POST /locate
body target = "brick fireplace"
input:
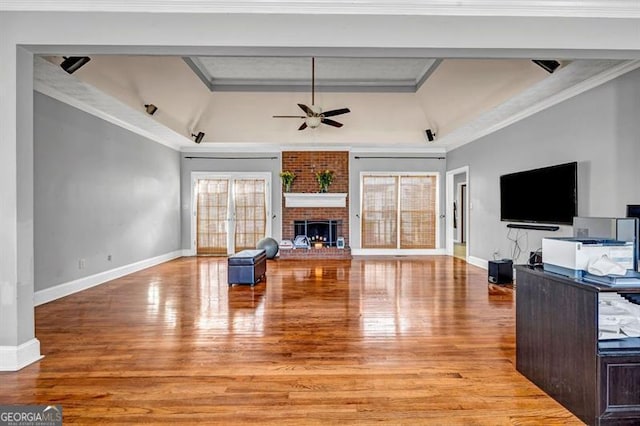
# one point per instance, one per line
(305, 164)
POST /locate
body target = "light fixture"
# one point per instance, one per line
(313, 121)
(548, 66)
(150, 108)
(72, 64)
(198, 137)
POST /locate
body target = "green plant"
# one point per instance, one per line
(287, 178)
(324, 178)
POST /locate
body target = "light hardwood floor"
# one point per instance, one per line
(394, 340)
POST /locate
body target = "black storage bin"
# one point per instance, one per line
(247, 267)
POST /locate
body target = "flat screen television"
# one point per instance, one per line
(633, 210)
(545, 195)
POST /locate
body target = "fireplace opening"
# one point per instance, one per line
(319, 231)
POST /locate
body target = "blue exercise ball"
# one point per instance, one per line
(269, 245)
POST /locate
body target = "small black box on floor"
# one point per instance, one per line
(501, 271)
(247, 267)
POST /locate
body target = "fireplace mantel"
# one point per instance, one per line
(320, 199)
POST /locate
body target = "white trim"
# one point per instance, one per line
(458, 237)
(65, 289)
(323, 199)
(14, 358)
(397, 252)
(476, 261)
(83, 106)
(356, 148)
(553, 8)
(195, 176)
(471, 131)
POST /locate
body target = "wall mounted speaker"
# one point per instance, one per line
(431, 136)
(198, 137)
(548, 66)
(74, 63)
(150, 108)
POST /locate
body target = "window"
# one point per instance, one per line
(230, 211)
(399, 211)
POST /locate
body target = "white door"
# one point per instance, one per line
(230, 212)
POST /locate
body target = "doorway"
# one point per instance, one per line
(457, 213)
(229, 212)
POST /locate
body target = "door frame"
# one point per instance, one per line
(460, 197)
(195, 176)
(450, 198)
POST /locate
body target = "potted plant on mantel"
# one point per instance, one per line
(324, 178)
(287, 179)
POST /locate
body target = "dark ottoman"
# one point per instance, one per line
(247, 267)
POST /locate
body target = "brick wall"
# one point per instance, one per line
(305, 164)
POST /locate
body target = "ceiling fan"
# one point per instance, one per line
(314, 115)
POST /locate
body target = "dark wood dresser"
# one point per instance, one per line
(557, 348)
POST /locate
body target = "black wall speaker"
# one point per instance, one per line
(74, 63)
(549, 66)
(198, 137)
(430, 135)
(501, 271)
(150, 108)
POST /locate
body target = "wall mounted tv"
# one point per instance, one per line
(545, 195)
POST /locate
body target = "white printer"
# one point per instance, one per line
(571, 256)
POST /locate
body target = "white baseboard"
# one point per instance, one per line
(396, 252)
(188, 252)
(14, 358)
(65, 289)
(480, 263)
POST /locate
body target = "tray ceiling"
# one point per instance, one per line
(294, 73)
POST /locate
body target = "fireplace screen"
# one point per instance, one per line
(323, 231)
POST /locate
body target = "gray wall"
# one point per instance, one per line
(231, 162)
(390, 164)
(600, 129)
(99, 190)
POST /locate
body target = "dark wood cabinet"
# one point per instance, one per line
(557, 348)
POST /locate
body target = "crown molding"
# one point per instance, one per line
(476, 129)
(540, 8)
(52, 81)
(266, 148)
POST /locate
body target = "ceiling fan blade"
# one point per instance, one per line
(306, 110)
(289, 116)
(303, 126)
(336, 112)
(331, 122)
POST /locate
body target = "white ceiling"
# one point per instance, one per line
(459, 100)
(462, 69)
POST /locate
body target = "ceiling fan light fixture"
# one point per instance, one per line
(313, 121)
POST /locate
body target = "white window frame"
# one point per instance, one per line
(435, 251)
(196, 176)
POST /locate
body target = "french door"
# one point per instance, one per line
(230, 212)
(399, 211)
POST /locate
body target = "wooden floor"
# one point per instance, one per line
(385, 340)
